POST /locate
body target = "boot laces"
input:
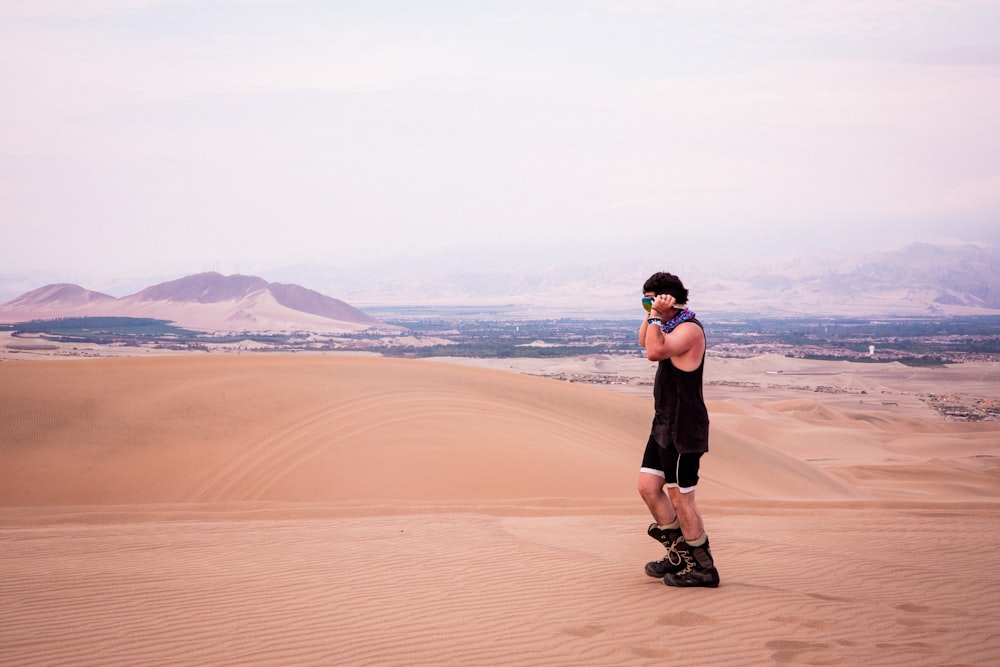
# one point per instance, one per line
(674, 555)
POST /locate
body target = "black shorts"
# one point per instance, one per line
(677, 470)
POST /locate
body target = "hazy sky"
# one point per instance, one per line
(145, 137)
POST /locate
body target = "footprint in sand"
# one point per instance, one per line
(583, 631)
(686, 620)
(652, 653)
(802, 653)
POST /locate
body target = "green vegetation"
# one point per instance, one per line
(912, 341)
(127, 331)
(89, 328)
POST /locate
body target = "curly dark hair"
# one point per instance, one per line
(666, 283)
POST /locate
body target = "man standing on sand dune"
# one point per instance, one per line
(675, 339)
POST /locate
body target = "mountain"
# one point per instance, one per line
(919, 279)
(62, 296)
(205, 301)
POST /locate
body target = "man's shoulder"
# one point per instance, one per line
(692, 335)
(692, 325)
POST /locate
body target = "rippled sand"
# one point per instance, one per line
(294, 509)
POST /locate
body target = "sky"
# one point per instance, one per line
(160, 138)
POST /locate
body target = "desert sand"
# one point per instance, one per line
(342, 510)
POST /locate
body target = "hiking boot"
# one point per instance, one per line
(698, 569)
(672, 562)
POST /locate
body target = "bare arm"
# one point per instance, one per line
(685, 344)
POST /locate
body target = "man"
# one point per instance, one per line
(673, 337)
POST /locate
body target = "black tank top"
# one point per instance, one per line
(681, 417)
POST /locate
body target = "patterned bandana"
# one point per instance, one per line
(677, 319)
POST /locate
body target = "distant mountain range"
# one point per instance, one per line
(917, 280)
(920, 279)
(205, 301)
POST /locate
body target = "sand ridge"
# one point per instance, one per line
(303, 428)
(309, 509)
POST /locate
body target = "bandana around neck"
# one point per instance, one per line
(677, 319)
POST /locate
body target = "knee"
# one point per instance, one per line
(649, 486)
(679, 498)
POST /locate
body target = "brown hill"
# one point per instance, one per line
(58, 297)
(202, 288)
(204, 301)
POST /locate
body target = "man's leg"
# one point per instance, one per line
(697, 567)
(665, 529)
(651, 490)
(687, 512)
(650, 485)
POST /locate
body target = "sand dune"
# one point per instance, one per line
(304, 429)
(295, 509)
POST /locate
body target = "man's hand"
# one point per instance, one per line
(662, 304)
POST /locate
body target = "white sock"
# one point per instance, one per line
(699, 541)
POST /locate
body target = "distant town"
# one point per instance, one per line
(911, 341)
(473, 333)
